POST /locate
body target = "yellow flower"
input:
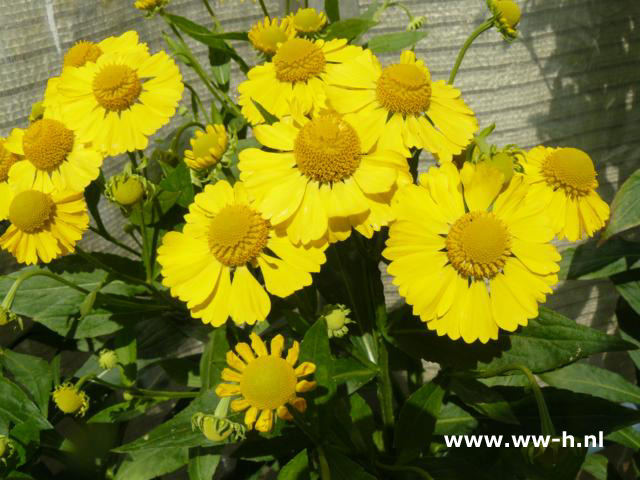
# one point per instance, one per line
(507, 14)
(212, 265)
(265, 381)
(470, 257)
(43, 224)
(54, 156)
(37, 112)
(149, 4)
(70, 400)
(7, 159)
(207, 148)
(297, 71)
(323, 178)
(564, 180)
(308, 20)
(120, 100)
(265, 35)
(403, 107)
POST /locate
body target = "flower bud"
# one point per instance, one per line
(337, 318)
(218, 429)
(70, 400)
(107, 359)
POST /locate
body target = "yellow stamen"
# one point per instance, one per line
(116, 87)
(298, 60)
(570, 169)
(327, 149)
(404, 88)
(237, 235)
(47, 143)
(268, 382)
(478, 244)
(31, 211)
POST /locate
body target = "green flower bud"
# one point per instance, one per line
(107, 359)
(337, 318)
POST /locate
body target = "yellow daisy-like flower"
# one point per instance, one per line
(564, 180)
(507, 16)
(207, 148)
(7, 159)
(212, 265)
(265, 381)
(70, 400)
(403, 107)
(149, 4)
(54, 156)
(308, 20)
(120, 100)
(43, 224)
(297, 71)
(265, 35)
(323, 178)
(470, 256)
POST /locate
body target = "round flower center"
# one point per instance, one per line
(47, 143)
(269, 38)
(404, 88)
(478, 244)
(237, 235)
(297, 60)
(81, 53)
(510, 11)
(68, 400)
(129, 192)
(570, 169)
(268, 382)
(327, 149)
(307, 20)
(116, 87)
(7, 159)
(31, 211)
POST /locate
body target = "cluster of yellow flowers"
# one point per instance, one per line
(109, 98)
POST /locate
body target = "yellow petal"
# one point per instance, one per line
(239, 404)
(250, 417)
(231, 375)
(304, 369)
(234, 361)
(258, 345)
(245, 352)
(265, 421)
(292, 354)
(277, 344)
(305, 386)
(227, 390)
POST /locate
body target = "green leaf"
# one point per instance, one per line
(483, 399)
(269, 118)
(126, 348)
(394, 42)
(417, 420)
(596, 465)
(354, 373)
(454, 420)
(297, 468)
(332, 7)
(592, 380)
(625, 208)
(350, 28)
(315, 348)
(178, 180)
(344, 469)
(149, 464)
(32, 373)
(628, 437)
(16, 407)
(589, 261)
(362, 418)
(202, 465)
(122, 412)
(213, 359)
(629, 289)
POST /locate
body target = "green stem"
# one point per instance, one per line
(143, 392)
(475, 34)
(181, 130)
(405, 468)
(264, 9)
(146, 256)
(11, 294)
(385, 391)
(325, 471)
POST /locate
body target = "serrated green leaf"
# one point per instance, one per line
(202, 465)
(394, 42)
(625, 208)
(350, 28)
(33, 374)
(453, 420)
(596, 465)
(483, 399)
(629, 437)
(16, 407)
(179, 180)
(592, 380)
(417, 420)
(150, 464)
(590, 261)
(297, 468)
(315, 348)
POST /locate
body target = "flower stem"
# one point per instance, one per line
(264, 9)
(475, 34)
(143, 392)
(11, 294)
